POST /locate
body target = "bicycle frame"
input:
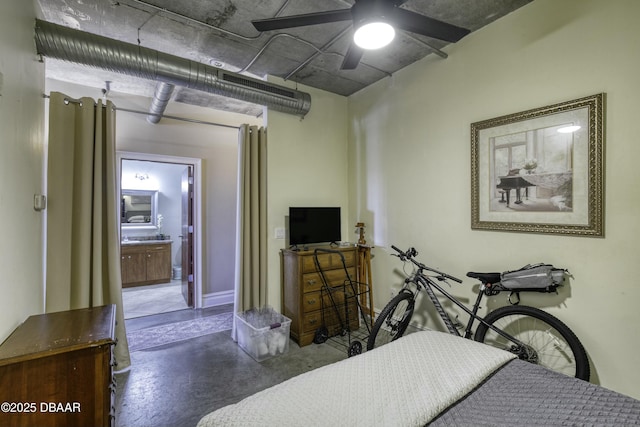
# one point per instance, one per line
(424, 282)
(541, 338)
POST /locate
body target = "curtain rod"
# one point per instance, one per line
(162, 116)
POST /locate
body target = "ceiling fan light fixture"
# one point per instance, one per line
(374, 35)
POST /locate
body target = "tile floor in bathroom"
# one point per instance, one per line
(146, 300)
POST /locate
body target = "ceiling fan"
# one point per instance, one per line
(374, 22)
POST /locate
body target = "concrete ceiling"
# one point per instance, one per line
(220, 33)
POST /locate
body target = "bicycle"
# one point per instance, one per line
(530, 333)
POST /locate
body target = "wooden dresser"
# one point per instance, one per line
(56, 369)
(145, 263)
(303, 297)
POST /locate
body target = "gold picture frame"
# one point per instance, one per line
(541, 170)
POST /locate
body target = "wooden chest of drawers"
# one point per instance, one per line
(303, 296)
(56, 369)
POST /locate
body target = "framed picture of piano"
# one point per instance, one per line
(540, 170)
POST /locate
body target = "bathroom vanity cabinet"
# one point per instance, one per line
(146, 262)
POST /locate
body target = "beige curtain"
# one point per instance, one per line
(251, 242)
(83, 244)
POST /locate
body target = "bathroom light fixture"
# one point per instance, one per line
(142, 176)
(374, 35)
(568, 129)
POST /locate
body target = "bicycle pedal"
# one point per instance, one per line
(457, 324)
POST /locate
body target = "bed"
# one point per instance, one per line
(430, 378)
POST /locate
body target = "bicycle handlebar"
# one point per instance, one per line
(410, 255)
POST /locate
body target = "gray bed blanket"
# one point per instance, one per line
(522, 394)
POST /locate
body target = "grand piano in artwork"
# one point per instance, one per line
(514, 181)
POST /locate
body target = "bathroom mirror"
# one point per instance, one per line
(139, 208)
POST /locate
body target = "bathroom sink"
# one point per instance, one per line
(143, 242)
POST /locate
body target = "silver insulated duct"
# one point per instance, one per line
(57, 41)
(160, 101)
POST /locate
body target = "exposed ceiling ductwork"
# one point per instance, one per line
(160, 100)
(67, 44)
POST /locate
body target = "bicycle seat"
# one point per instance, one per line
(485, 277)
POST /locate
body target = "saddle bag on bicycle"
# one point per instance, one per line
(533, 277)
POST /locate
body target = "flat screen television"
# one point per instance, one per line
(314, 225)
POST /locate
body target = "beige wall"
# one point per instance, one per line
(409, 165)
(218, 149)
(307, 166)
(216, 146)
(21, 163)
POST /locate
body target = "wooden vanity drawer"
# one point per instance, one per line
(158, 248)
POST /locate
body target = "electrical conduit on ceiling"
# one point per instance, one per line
(59, 42)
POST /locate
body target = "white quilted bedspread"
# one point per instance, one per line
(405, 383)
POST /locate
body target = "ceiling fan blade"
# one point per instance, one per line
(420, 24)
(302, 20)
(352, 58)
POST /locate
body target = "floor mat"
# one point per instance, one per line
(155, 336)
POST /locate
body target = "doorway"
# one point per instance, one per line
(159, 233)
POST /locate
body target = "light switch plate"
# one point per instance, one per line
(279, 233)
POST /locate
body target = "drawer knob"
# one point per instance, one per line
(311, 281)
(311, 301)
(313, 321)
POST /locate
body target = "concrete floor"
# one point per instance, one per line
(179, 383)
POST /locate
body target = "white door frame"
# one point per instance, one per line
(197, 207)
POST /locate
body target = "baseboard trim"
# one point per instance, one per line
(217, 298)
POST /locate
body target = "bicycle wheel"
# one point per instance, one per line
(392, 321)
(548, 341)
